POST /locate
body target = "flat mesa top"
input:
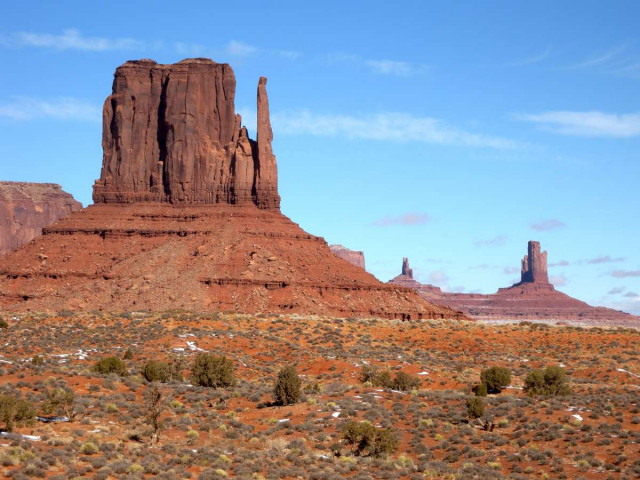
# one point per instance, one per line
(148, 63)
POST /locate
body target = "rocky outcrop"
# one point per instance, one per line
(352, 256)
(534, 265)
(532, 299)
(186, 216)
(25, 208)
(171, 134)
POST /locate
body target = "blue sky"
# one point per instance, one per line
(448, 132)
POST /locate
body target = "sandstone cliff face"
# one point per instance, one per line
(534, 265)
(25, 208)
(171, 134)
(352, 256)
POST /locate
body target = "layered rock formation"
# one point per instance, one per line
(187, 216)
(352, 256)
(25, 208)
(170, 134)
(533, 298)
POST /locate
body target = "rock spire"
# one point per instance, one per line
(405, 268)
(534, 265)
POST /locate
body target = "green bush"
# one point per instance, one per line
(405, 382)
(156, 371)
(481, 390)
(364, 437)
(3, 323)
(59, 401)
(16, 412)
(288, 386)
(110, 365)
(475, 407)
(211, 371)
(550, 381)
(496, 378)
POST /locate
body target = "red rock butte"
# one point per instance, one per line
(25, 208)
(186, 216)
(533, 298)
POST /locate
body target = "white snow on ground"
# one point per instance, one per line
(423, 373)
(33, 438)
(284, 420)
(399, 392)
(6, 361)
(193, 348)
(627, 371)
(577, 417)
(335, 414)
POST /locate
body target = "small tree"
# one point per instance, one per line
(16, 411)
(111, 365)
(405, 382)
(211, 371)
(156, 371)
(364, 437)
(3, 323)
(481, 390)
(550, 381)
(60, 401)
(475, 407)
(287, 388)
(156, 404)
(496, 378)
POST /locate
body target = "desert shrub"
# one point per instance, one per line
(128, 355)
(475, 407)
(110, 365)
(59, 401)
(481, 390)
(495, 378)
(211, 371)
(156, 371)
(37, 361)
(16, 412)
(405, 382)
(287, 388)
(3, 323)
(550, 381)
(364, 437)
(89, 448)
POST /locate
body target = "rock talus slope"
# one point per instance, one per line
(25, 208)
(186, 215)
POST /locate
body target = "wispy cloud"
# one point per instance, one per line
(438, 277)
(492, 242)
(390, 126)
(71, 39)
(616, 290)
(586, 124)
(234, 48)
(625, 273)
(546, 225)
(510, 270)
(561, 263)
(605, 259)
(406, 219)
(378, 66)
(558, 280)
(62, 108)
(536, 58)
(631, 295)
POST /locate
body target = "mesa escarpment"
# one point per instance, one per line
(186, 215)
(25, 208)
(533, 298)
(352, 256)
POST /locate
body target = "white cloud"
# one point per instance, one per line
(389, 126)
(234, 48)
(546, 225)
(72, 39)
(539, 57)
(240, 49)
(62, 108)
(390, 67)
(587, 124)
(417, 218)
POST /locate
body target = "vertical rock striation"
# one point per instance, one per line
(171, 134)
(534, 265)
(406, 271)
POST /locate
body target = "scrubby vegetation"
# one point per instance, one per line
(495, 379)
(212, 371)
(288, 386)
(342, 426)
(111, 365)
(550, 381)
(15, 411)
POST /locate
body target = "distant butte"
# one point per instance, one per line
(25, 208)
(352, 256)
(533, 298)
(186, 216)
